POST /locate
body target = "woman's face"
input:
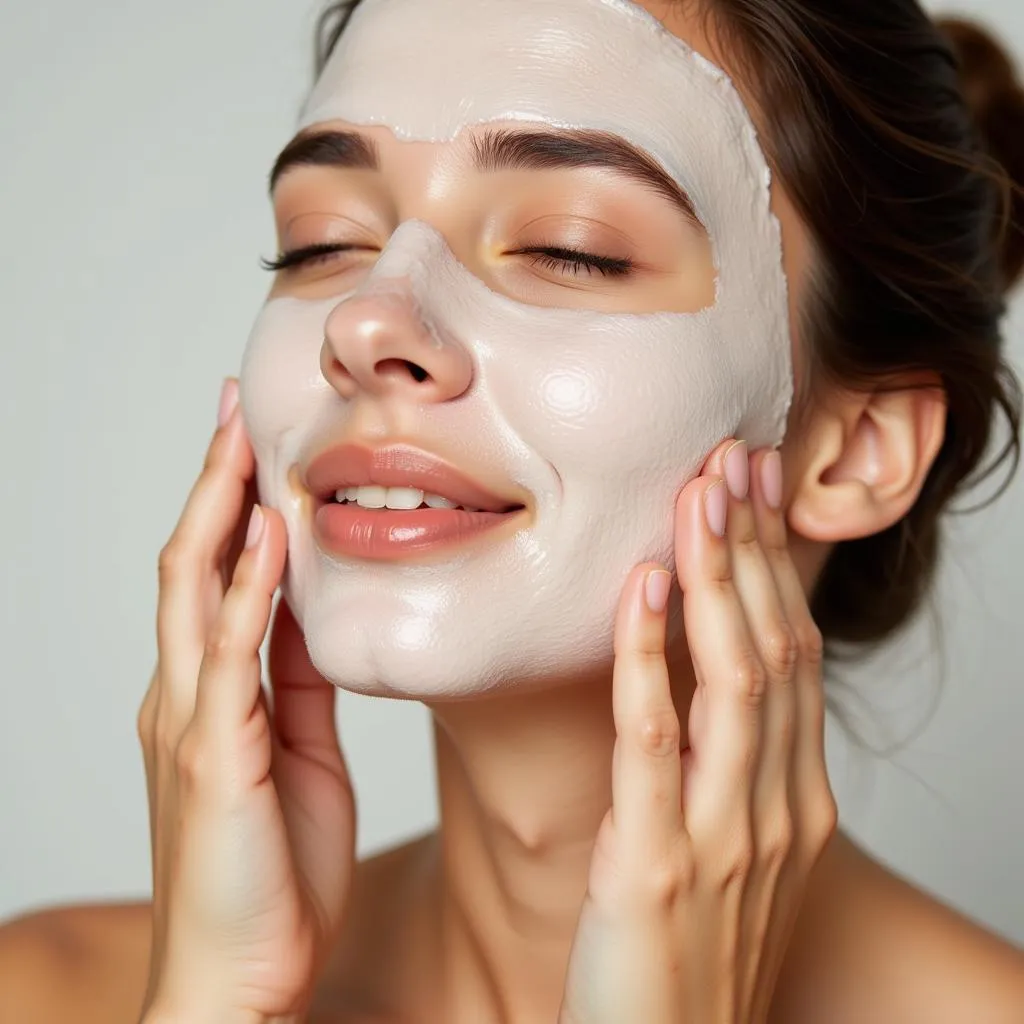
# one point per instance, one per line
(531, 268)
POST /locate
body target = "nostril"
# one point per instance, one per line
(399, 367)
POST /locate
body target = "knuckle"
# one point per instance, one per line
(644, 659)
(750, 679)
(145, 720)
(821, 821)
(171, 560)
(810, 643)
(144, 723)
(747, 544)
(658, 732)
(736, 862)
(780, 650)
(775, 545)
(664, 885)
(191, 759)
(827, 817)
(218, 648)
(165, 742)
(778, 841)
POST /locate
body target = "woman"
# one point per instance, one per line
(716, 887)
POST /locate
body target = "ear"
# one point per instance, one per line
(862, 459)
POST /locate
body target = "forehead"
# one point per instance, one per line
(428, 68)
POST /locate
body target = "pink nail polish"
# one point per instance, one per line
(737, 470)
(228, 401)
(716, 507)
(656, 590)
(771, 479)
(255, 530)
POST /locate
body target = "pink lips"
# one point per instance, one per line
(387, 534)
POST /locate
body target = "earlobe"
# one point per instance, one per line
(865, 459)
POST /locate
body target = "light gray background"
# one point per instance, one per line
(136, 138)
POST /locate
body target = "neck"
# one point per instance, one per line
(524, 781)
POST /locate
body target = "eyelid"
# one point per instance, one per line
(571, 261)
(606, 266)
(312, 227)
(288, 259)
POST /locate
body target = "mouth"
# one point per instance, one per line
(392, 503)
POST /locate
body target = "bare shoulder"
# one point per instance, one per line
(870, 946)
(90, 963)
(82, 963)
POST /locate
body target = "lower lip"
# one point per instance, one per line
(388, 535)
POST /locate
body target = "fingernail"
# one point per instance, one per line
(656, 589)
(771, 479)
(716, 505)
(255, 530)
(737, 470)
(228, 401)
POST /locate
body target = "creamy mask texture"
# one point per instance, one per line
(601, 417)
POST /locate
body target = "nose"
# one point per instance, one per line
(379, 342)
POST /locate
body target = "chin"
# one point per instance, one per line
(381, 645)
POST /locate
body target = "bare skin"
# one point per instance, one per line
(868, 947)
(484, 910)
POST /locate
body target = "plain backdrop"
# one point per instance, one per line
(135, 140)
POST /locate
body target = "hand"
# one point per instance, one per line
(699, 867)
(252, 816)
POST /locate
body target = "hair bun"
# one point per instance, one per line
(995, 96)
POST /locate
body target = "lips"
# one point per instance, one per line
(347, 530)
(351, 465)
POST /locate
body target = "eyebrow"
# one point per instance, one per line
(497, 150)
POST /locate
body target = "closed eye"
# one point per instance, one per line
(307, 254)
(570, 261)
(575, 261)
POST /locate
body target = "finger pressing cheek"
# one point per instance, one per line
(646, 783)
(729, 670)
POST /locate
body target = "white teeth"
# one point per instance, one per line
(436, 501)
(399, 498)
(372, 496)
(404, 497)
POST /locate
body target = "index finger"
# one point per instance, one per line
(646, 767)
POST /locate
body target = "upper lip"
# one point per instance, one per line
(352, 465)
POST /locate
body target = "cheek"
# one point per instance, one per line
(635, 398)
(281, 369)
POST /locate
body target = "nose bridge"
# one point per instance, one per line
(413, 246)
(387, 336)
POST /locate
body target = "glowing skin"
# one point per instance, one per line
(598, 417)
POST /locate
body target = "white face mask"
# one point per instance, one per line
(600, 418)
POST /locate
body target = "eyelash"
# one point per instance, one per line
(554, 257)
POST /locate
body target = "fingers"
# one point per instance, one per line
(755, 522)
(761, 678)
(798, 713)
(646, 779)
(728, 816)
(731, 678)
(229, 682)
(304, 702)
(235, 544)
(189, 569)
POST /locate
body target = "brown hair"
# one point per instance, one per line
(901, 143)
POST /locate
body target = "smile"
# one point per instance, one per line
(392, 503)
